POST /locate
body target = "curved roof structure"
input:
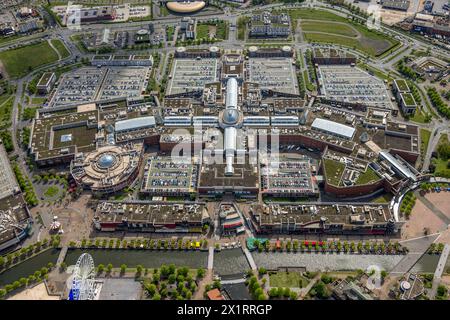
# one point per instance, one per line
(185, 7)
(230, 116)
(106, 160)
(108, 169)
(232, 93)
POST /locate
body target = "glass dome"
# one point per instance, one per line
(106, 161)
(230, 116)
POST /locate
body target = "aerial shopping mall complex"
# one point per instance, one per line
(224, 150)
(233, 124)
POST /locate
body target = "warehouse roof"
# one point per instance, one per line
(333, 128)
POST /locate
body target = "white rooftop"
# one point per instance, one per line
(333, 128)
(134, 124)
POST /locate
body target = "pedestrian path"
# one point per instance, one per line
(62, 255)
(439, 270)
(210, 258)
(249, 257)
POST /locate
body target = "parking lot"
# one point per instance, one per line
(352, 85)
(277, 74)
(79, 86)
(163, 175)
(192, 74)
(90, 84)
(124, 82)
(287, 175)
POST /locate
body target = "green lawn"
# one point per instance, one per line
(418, 116)
(376, 72)
(308, 84)
(38, 100)
(51, 192)
(18, 62)
(163, 10)
(329, 27)
(424, 139)
(370, 42)
(314, 14)
(333, 171)
(202, 31)
(242, 27)
(288, 279)
(3, 98)
(29, 113)
(368, 177)
(59, 45)
(170, 32)
(5, 112)
(441, 168)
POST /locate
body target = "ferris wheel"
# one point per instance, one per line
(83, 278)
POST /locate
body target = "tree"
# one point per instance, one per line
(2, 293)
(151, 289)
(109, 267)
(293, 295)
(200, 273)
(321, 290)
(100, 268)
(262, 271)
(156, 277)
(273, 293)
(172, 278)
(123, 268)
(326, 278)
(139, 269)
(23, 281)
(157, 297)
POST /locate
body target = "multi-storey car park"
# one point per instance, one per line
(90, 84)
(349, 85)
(167, 176)
(225, 124)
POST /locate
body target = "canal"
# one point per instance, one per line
(428, 264)
(28, 267)
(230, 263)
(146, 258)
(328, 261)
